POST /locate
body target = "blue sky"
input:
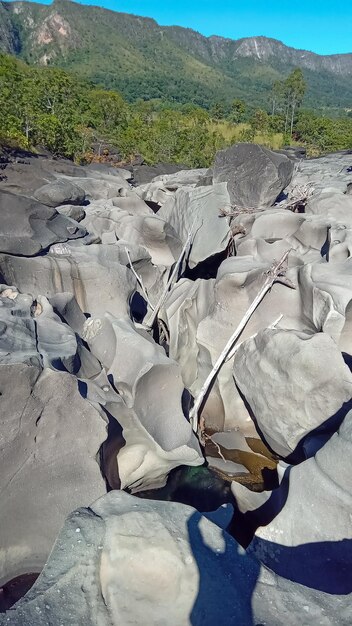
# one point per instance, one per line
(323, 26)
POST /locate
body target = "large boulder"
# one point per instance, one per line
(196, 211)
(60, 192)
(125, 560)
(255, 176)
(50, 438)
(302, 530)
(295, 383)
(28, 227)
(156, 436)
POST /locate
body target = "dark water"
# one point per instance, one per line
(15, 589)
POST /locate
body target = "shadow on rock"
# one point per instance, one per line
(237, 571)
(303, 564)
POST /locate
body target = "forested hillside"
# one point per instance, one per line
(142, 59)
(51, 108)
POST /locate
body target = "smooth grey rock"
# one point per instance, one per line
(182, 178)
(201, 317)
(197, 210)
(330, 172)
(56, 341)
(32, 333)
(131, 561)
(70, 210)
(138, 228)
(132, 204)
(332, 204)
(50, 437)
(255, 176)
(157, 435)
(92, 273)
(28, 227)
(100, 187)
(267, 235)
(60, 192)
(154, 192)
(294, 383)
(302, 529)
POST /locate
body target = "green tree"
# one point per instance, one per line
(108, 110)
(218, 111)
(260, 121)
(277, 96)
(238, 111)
(295, 88)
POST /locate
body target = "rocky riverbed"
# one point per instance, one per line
(119, 291)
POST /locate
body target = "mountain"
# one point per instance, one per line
(142, 59)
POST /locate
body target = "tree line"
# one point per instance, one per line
(52, 108)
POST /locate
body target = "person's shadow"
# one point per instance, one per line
(227, 577)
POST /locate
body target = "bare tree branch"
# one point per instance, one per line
(277, 270)
(139, 279)
(149, 322)
(300, 195)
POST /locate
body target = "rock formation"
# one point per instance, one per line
(116, 303)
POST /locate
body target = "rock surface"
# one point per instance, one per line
(254, 175)
(28, 227)
(49, 441)
(287, 522)
(110, 326)
(292, 391)
(161, 562)
(60, 192)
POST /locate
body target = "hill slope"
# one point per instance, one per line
(143, 59)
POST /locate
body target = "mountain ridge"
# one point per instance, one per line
(143, 59)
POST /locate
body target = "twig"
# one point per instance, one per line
(139, 279)
(300, 196)
(239, 211)
(149, 322)
(205, 437)
(164, 330)
(278, 270)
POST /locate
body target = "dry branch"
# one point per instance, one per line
(300, 195)
(139, 279)
(276, 273)
(149, 322)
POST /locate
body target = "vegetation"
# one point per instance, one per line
(50, 107)
(141, 59)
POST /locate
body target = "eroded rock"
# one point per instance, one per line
(255, 176)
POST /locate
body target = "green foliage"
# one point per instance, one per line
(260, 121)
(247, 135)
(238, 111)
(287, 96)
(322, 134)
(142, 59)
(50, 107)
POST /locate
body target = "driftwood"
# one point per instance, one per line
(150, 319)
(299, 198)
(275, 274)
(139, 279)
